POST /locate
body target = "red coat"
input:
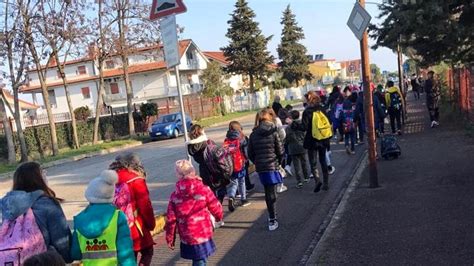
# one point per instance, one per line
(146, 217)
(190, 207)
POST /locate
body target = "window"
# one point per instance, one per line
(86, 93)
(110, 64)
(189, 55)
(114, 88)
(81, 70)
(52, 99)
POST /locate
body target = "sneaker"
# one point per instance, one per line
(433, 123)
(231, 204)
(244, 203)
(306, 180)
(318, 187)
(219, 224)
(281, 188)
(348, 150)
(250, 188)
(353, 152)
(272, 224)
(436, 123)
(299, 185)
(331, 169)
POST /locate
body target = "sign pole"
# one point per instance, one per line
(368, 106)
(181, 104)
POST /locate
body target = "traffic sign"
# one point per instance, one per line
(359, 20)
(169, 35)
(163, 8)
(352, 68)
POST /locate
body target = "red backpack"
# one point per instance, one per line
(233, 147)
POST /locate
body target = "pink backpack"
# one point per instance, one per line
(20, 239)
(123, 200)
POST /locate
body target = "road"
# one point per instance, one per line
(70, 180)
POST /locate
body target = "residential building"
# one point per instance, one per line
(325, 70)
(150, 79)
(351, 69)
(26, 108)
(235, 81)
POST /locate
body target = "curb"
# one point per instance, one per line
(335, 213)
(5, 176)
(224, 123)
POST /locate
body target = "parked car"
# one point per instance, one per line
(168, 126)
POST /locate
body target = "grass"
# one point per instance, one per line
(68, 153)
(454, 118)
(207, 122)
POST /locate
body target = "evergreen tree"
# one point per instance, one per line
(294, 62)
(213, 78)
(247, 49)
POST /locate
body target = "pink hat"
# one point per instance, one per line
(184, 168)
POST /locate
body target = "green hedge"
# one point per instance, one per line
(38, 139)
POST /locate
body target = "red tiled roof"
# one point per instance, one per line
(217, 56)
(23, 104)
(133, 69)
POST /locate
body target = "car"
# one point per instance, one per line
(168, 126)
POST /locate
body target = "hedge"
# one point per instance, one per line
(38, 138)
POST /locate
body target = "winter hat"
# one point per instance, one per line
(184, 168)
(101, 189)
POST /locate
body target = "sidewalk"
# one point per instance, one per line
(423, 212)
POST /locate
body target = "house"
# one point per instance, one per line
(150, 79)
(27, 109)
(325, 69)
(235, 81)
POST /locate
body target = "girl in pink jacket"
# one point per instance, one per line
(189, 210)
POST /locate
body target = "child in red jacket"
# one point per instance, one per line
(192, 204)
(137, 206)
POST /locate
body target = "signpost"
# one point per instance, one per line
(358, 22)
(166, 10)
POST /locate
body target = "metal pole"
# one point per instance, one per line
(181, 106)
(369, 110)
(401, 81)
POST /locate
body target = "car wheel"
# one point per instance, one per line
(175, 133)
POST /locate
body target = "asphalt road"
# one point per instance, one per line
(70, 180)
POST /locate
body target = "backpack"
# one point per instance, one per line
(233, 147)
(390, 148)
(348, 123)
(395, 100)
(338, 111)
(123, 200)
(219, 162)
(321, 127)
(20, 239)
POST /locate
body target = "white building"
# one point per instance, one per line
(150, 79)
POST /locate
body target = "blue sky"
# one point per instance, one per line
(323, 21)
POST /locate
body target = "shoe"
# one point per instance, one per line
(325, 187)
(231, 204)
(281, 188)
(399, 132)
(318, 187)
(348, 150)
(331, 169)
(306, 180)
(433, 123)
(272, 224)
(250, 188)
(353, 152)
(244, 203)
(436, 123)
(299, 185)
(219, 224)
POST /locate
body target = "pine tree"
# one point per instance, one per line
(247, 50)
(294, 62)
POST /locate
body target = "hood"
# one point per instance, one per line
(232, 134)
(125, 175)
(17, 202)
(392, 89)
(186, 187)
(202, 138)
(265, 129)
(196, 145)
(92, 221)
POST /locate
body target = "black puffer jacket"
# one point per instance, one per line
(196, 149)
(311, 143)
(265, 148)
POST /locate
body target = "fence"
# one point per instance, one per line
(461, 89)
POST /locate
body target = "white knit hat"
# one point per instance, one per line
(101, 189)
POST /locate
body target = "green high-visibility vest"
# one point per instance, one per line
(102, 250)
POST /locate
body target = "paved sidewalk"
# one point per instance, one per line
(423, 213)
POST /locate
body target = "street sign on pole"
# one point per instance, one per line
(163, 8)
(359, 20)
(169, 36)
(352, 68)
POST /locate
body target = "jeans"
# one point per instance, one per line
(416, 92)
(146, 256)
(395, 115)
(201, 262)
(270, 200)
(350, 136)
(434, 114)
(313, 155)
(300, 167)
(237, 183)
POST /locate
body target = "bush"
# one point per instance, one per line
(149, 109)
(82, 113)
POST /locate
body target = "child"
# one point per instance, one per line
(282, 133)
(132, 191)
(101, 233)
(295, 140)
(348, 108)
(188, 212)
(236, 143)
(266, 152)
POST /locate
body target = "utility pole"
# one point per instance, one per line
(401, 80)
(369, 110)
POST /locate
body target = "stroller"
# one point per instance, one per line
(390, 148)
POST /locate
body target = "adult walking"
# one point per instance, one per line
(395, 104)
(415, 86)
(433, 96)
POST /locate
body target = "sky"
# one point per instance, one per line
(324, 23)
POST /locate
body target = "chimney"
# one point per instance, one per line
(92, 50)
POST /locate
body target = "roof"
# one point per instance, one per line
(217, 56)
(133, 69)
(23, 104)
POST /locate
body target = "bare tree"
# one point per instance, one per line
(8, 132)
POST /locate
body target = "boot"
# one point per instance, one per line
(325, 181)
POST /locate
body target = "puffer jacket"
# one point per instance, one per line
(311, 143)
(196, 149)
(295, 138)
(189, 209)
(265, 148)
(146, 216)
